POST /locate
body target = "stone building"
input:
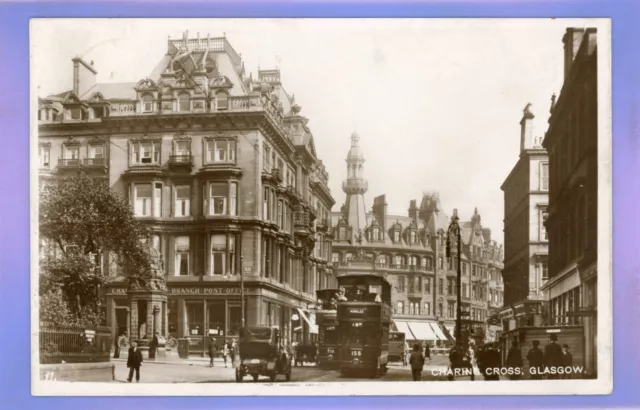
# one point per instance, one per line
(572, 143)
(222, 167)
(410, 251)
(526, 197)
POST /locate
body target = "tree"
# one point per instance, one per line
(83, 218)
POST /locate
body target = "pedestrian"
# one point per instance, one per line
(417, 362)
(233, 351)
(553, 358)
(406, 353)
(134, 361)
(514, 361)
(153, 347)
(212, 350)
(535, 357)
(491, 363)
(226, 348)
(427, 351)
(567, 360)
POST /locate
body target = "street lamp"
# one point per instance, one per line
(454, 231)
(242, 290)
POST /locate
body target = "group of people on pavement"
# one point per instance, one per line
(229, 351)
(542, 363)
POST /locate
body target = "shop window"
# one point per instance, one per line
(235, 320)
(216, 317)
(172, 316)
(195, 318)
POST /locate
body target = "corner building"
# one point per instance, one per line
(572, 144)
(222, 168)
(410, 251)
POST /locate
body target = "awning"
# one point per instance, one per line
(452, 330)
(422, 331)
(404, 328)
(438, 331)
(313, 328)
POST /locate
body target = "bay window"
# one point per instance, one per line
(221, 150)
(266, 197)
(182, 256)
(182, 206)
(147, 199)
(223, 258)
(233, 198)
(145, 152)
(218, 198)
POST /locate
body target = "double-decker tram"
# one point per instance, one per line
(364, 315)
(327, 321)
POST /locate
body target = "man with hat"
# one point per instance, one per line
(553, 358)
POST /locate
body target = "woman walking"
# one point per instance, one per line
(417, 362)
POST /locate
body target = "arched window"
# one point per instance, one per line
(184, 104)
(147, 103)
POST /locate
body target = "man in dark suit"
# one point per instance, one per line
(553, 358)
(567, 360)
(536, 361)
(134, 361)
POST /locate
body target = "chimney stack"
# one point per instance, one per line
(413, 210)
(572, 39)
(84, 76)
(526, 129)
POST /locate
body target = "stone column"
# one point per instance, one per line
(156, 320)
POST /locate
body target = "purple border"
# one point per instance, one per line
(14, 189)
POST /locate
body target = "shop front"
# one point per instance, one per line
(199, 311)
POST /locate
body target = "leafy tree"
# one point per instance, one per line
(82, 217)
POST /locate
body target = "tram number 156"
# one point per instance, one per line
(356, 353)
(356, 324)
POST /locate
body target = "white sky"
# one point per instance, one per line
(437, 103)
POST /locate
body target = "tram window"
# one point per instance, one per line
(330, 335)
(360, 335)
(395, 337)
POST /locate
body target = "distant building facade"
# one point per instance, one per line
(222, 168)
(526, 198)
(410, 251)
(572, 144)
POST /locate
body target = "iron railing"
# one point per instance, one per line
(73, 344)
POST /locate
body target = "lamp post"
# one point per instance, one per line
(454, 231)
(242, 290)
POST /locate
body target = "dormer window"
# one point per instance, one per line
(396, 237)
(147, 103)
(412, 237)
(375, 234)
(184, 102)
(222, 101)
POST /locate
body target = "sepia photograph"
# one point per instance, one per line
(321, 206)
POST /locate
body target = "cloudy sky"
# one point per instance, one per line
(437, 103)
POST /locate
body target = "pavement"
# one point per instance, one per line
(172, 369)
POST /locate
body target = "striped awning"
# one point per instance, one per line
(404, 328)
(422, 331)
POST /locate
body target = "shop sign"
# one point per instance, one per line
(211, 291)
(118, 291)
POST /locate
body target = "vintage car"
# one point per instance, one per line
(306, 354)
(262, 354)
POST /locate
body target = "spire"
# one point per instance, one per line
(355, 187)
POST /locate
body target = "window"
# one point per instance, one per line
(183, 148)
(146, 152)
(44, 156)
(450, 284)
(183, 200)
(545, 271)
(147, 103)
(474, 271)
(440, 263)
(397, 261)
(147, 202)
(218, 255)
(375, 234)
(464, 269)
(335, 258)
(182, 255)
(412, 237)
(222, 100)
(71, 152)
(427, 285)
(221, 150)
(440, 286)
(266, 197)
(414, 308)
(266, 155)
(382, 260)
(96, 151)
(218, 198)
(464, 291)
(400, 283)
(195, 318)
(451, 309)
(440, 311)
(427, 308)
(280, 219)
(543, 230)
(396, 237)
(233, 198)
(184, 104)
(400, 308)
(544, 176)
